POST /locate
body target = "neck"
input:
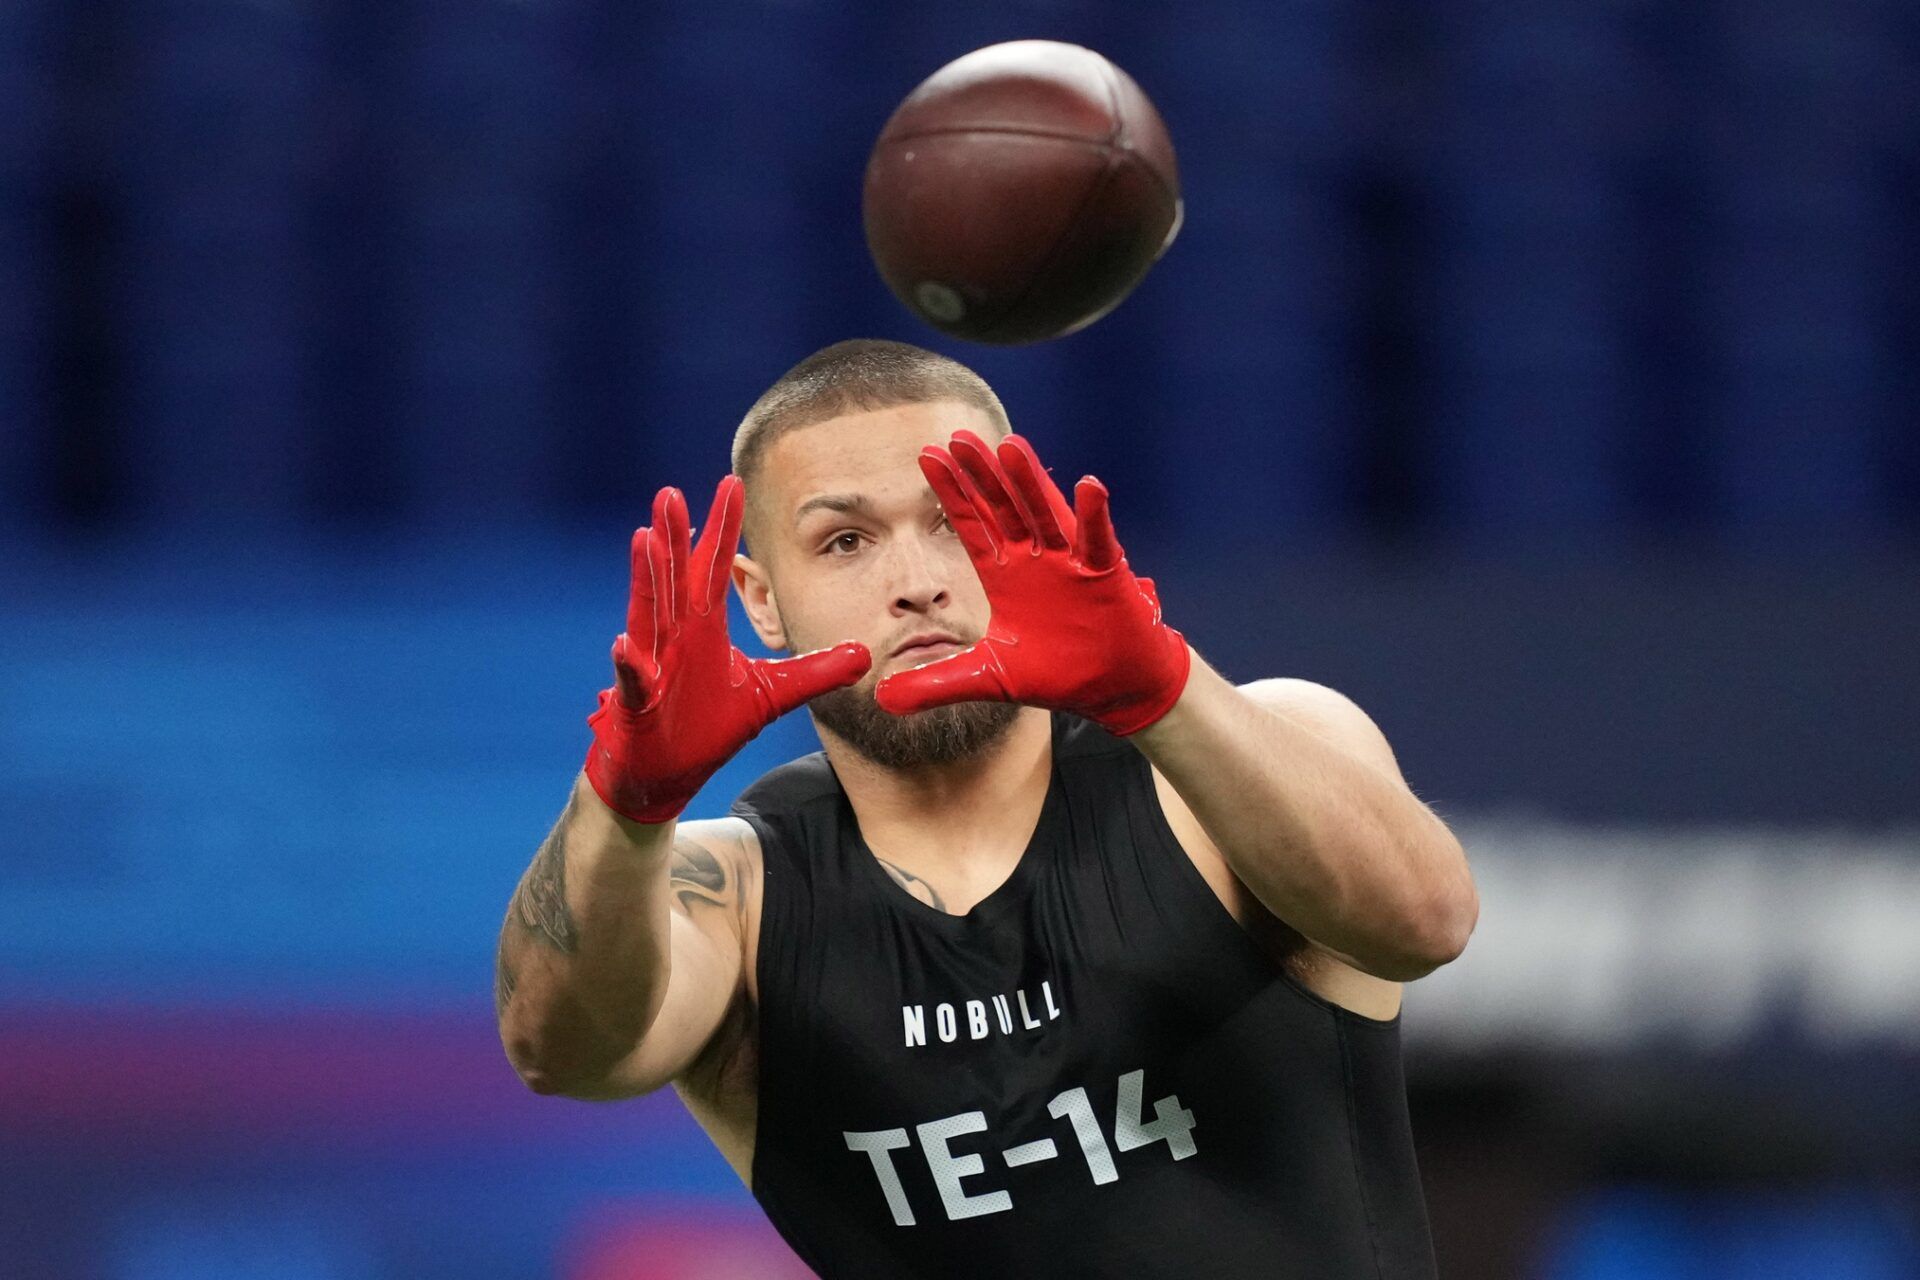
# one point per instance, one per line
(947, 812)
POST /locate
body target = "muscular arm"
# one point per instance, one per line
(1301, 794)
(620, 952)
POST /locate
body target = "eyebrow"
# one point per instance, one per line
(854, 503)
(857, 503)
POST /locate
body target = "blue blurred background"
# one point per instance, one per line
(1543, 375)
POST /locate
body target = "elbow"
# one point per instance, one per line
(543, 1072)
(523, 1058)
(1452, 925)
(554, 1084)
(1436, 931)
(1428, 933)
(541, 1083)
(592, 1077)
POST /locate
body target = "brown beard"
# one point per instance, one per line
(940, 735)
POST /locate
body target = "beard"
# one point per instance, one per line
(939, 735)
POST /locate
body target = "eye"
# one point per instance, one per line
(842, 544)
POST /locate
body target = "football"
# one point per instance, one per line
(1021, 192)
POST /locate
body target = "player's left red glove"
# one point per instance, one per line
(1072, 628)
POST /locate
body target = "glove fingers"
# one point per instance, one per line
(713, 554)
(671, 514)
(962, 505)
(972, 675)
(1099, 550)
(640, 588)
(1045, 506)
(660, 575)
(628, 681)
(983, 469)
(792, 681)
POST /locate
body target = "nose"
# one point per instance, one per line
(918, 578)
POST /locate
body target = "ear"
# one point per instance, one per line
(756, 593)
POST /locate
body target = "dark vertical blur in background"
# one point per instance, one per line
(1543, 375)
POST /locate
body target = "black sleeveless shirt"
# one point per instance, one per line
(1095, 1072)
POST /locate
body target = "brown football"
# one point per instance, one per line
(1021, 192)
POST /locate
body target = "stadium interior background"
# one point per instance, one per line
(1543, 375)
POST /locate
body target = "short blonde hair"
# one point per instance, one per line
(859, 375)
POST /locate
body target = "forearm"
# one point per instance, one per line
(583, 964)
(1333, 845)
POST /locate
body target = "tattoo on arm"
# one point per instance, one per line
(541, 902)
(914, 885)
(697, 876)
(504, 981)
(539, 906)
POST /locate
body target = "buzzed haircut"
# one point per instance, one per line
(860, 375)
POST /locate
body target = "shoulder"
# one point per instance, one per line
(787, 787)
(730, 840)
(788, 812)
(714, 872)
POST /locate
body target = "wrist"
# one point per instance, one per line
(1175, 668)
(643, 832)
(631, 802)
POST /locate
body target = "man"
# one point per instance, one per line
(1065, 958)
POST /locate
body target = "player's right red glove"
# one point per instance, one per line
(684, 699)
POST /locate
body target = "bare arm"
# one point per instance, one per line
(1300, 793)
(621, 951)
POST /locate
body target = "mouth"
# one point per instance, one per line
(925, 648)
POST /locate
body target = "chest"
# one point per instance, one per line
(955, 890)
(903, 1009)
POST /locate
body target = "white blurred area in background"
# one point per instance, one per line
(1696, 939)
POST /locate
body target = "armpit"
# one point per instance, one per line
(727, 1064)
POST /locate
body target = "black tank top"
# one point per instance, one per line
(1095, 1072)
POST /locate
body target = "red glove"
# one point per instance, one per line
(1072, 628)
(684, 699)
